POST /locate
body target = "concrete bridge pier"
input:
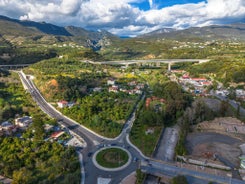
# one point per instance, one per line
(139, 64)
(169, 67)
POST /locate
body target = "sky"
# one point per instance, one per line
(127, 17)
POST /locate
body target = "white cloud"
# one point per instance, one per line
(120, 17)
(225, 8)
(70, 6)
(151, 3)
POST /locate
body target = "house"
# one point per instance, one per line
(48, 127)
(132, 83)
(177, 71)
(137, 91)
(114, 89)
(56, 135)
(140, 86)
(111, 81)
(70, 104)
(24, 121)
(222, 92)
(162, 100)
(124, 90)
(154, 98)
(199, 79)
(97, 89)
(149, 131)
(207, 83)
(131, 92)
(62, 104)
(185, 76)
(6, 126)
(147, 102)
(240, 92)
(242, 163)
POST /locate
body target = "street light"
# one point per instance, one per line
(230, 177)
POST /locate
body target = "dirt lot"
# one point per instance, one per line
(206, 144)
(209, 138)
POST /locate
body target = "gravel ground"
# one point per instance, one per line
(166, 146)
(225, 146)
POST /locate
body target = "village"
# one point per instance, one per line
(53, 133)
(202, 86)
(131, 88)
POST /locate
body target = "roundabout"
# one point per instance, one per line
(112, 158)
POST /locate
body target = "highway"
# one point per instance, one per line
(128, 62)
(233, 103)
(160, 168)
(95, 142)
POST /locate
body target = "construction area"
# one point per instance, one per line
(217, 143)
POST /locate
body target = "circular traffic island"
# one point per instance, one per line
(112, 158)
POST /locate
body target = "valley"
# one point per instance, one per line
(147, 95)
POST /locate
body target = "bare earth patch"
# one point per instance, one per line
(220, 137)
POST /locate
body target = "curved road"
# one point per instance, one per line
(96, 142)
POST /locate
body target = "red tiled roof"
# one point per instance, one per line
(63, 102)
(199, 79)
(56, 134)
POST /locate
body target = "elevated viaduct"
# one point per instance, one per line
(157, 62)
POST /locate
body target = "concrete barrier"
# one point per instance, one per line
(203, 163)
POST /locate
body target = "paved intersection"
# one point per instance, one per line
(95, 142)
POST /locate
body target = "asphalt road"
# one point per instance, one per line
(125, 62)
(158, 168)
(233, 103)
(96, 142)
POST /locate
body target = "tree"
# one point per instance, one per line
(22, 176)
(180, 179)
(38, 129)
(140, 176)
(238, 111)
(224, 108)
(239, 76)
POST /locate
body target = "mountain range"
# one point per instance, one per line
(213, 32)
(13, 30)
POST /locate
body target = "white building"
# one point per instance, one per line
(222, 92)
(6, 126)
(240, 92)
(62, 104)
(111, 81)
(24, 121)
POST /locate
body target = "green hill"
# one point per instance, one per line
(232, 32)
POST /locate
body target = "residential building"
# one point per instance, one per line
(6, 125)
(23, 121)
(56, 135)
(97, 89)
(62, 104)
(114, 89)
(7, 128)
(111, 81)
(48, 127)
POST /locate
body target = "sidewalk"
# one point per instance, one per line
(5, 180)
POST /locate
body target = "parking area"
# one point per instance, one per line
(75, 142)
(166, 146)
(210, 146)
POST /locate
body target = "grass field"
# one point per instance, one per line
(112, 158)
